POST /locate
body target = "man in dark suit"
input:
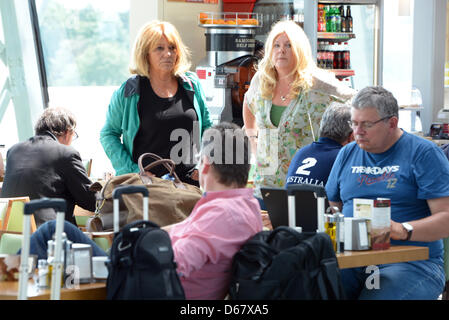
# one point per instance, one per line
(47, 166)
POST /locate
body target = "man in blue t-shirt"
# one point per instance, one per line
(387, 162)
(313, 163)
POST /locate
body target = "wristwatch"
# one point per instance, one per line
(409, 230)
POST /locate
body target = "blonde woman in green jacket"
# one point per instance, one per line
(160, 109)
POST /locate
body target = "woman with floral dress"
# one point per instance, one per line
(285, 102)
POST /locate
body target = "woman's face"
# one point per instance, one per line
(163, 57)
(282, 55)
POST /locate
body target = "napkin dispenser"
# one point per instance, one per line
(82, 259)
(356, 234)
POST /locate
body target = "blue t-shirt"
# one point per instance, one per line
(313, 163)
(410, 172)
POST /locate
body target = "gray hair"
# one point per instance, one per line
(379, 98)
(56, 120)
(334, 123)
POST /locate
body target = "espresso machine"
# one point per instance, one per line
(226, 71)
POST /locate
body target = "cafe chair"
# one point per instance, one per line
(12, 224)
(103, 240)
(87, 165)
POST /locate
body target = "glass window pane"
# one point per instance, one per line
(398, 59)
(8, 129)
(362, 47)
(86, 52)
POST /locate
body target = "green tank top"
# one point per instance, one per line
(276, 113)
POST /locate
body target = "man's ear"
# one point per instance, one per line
(393, 121)
(349, 139)
(63, 139)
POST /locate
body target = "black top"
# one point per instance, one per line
(42, 167)
(159, 118)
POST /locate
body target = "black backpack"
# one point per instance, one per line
(142, 265)
(286, 264)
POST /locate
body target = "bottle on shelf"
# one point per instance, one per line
(321, 18)
(333, 24)
(346, 57)
(337, 19)
(348, 19)
(343, 19)
(327, 15)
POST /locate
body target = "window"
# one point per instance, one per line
(86, 52)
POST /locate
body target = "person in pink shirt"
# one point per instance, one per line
(223, 219)
(220, 223)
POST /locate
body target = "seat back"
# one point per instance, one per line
(10, 243)
(13, 216)
(87, 165)
(11, 227)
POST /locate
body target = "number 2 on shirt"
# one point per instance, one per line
(308, 163)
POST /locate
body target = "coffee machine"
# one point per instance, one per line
(226, 71)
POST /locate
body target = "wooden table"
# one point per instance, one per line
(89, 291)
(352, 259)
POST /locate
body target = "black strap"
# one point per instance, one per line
(330, 273)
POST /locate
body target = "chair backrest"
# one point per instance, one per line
(12, 220)
(88, 166)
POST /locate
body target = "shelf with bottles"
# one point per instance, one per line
(335, 36)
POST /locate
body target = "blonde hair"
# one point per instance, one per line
(148, 38)
(304, 64)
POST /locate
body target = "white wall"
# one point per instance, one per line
(181, 14)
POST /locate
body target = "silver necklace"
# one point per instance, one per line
(283, 98)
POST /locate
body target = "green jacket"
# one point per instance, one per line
(122, 120)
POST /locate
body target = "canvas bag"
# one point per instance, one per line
(169, 201)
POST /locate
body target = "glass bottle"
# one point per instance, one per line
(42, 266)
(330, 227)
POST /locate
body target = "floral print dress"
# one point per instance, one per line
(298, 126)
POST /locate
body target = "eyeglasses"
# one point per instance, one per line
(75, 135)
(365, 125)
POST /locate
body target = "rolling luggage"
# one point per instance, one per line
(141, 264)
(60, 207)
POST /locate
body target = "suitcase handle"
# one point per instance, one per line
(117, 192)
(319, 191)
(58, 204)
(128, 230)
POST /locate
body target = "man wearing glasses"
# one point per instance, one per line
(47, 166)
(387, 162)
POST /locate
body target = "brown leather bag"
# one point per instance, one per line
(169, 201)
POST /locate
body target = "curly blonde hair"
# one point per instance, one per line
(148, 38)
(304, 64)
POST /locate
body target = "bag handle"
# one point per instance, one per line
(289, 230)
(169, 167)
(128, 230)
(167, 163)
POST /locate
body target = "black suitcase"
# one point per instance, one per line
(141, 264)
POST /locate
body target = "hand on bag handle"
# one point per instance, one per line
(117, 194)
(60, 207)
